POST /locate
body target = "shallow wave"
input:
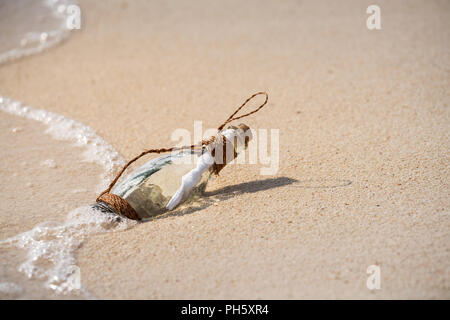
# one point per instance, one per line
(97, 150)
(51, 246)
(42, 25)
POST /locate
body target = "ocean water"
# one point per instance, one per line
(51, 169)
(30, 26)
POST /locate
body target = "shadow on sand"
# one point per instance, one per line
(225, 193)
(208, 198)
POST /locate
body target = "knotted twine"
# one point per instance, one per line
(122, 206)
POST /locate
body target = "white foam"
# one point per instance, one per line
(50, 247)
(96, 150)
(42, 25)
(49, 163)
(9, 290)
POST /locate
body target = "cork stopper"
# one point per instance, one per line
(235, 139)
(247, 133)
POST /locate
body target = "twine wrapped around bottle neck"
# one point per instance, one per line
(124, 208)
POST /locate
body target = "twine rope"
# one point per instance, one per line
(203, 143)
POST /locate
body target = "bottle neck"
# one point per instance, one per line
(234, 141)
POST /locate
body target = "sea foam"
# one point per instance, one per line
(96, 149)
(31, 26)
(50, 246)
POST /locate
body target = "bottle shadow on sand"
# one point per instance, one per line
(225, 193)
(210, 197)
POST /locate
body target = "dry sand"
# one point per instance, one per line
(352, 105)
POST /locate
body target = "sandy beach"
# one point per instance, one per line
(363, 118)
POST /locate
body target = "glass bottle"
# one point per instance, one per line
(163, 183)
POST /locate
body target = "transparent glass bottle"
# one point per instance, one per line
(163, 183)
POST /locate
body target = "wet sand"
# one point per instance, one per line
(364, 144)
(41, 182)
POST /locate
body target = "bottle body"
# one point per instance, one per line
(163, 183)
(149, 188)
